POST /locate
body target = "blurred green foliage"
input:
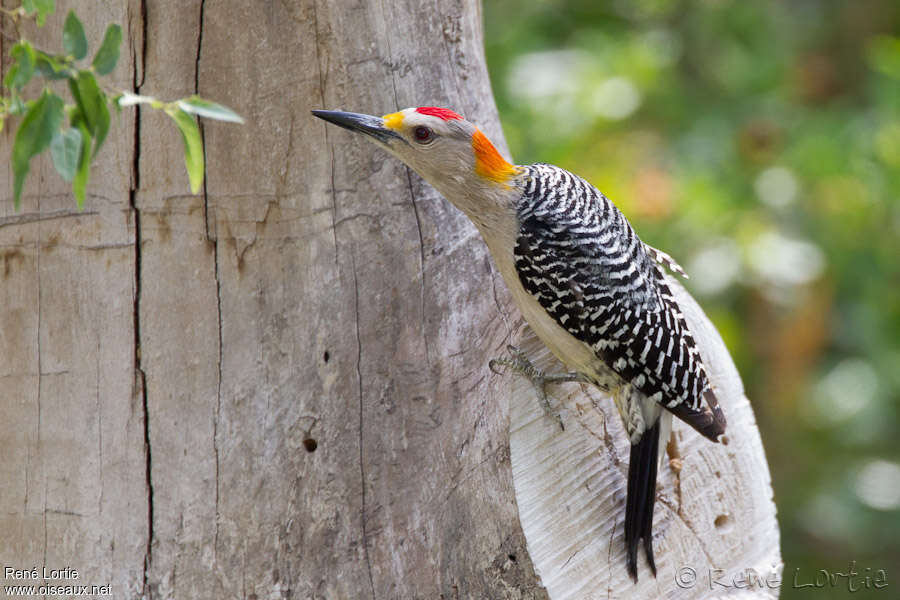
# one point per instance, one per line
(759, 144)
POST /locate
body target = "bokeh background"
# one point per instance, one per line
(759, 144)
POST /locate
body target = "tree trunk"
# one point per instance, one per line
(277, 387)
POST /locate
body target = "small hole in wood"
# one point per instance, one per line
(724, 440)
(512, 557)
(721, 521)
(310, 444)
(326, 357)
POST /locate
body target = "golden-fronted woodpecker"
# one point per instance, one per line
(591, 290)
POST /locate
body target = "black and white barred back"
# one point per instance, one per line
(579, 257)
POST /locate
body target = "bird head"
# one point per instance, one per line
(449, 152)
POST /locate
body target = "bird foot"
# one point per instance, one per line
(519, 363)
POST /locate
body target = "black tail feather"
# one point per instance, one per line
(640, 498)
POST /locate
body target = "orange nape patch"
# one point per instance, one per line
(393, 121)
(488, 162)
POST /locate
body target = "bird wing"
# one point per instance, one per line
(614, 297)
(664, 259)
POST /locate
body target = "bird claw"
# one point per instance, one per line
(520, 363)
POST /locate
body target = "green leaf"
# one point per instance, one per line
(52, 67)
(204, 108)
(193, 146)
(22, 69)
(35, 132)
(90, 102)
(108, 55)
(41, 7)
(74, 41)
(79, 183)
(65, 148)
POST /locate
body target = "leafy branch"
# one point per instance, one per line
(43, 118)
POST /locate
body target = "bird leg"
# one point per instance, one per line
(519, 363)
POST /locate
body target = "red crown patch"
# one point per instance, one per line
(441, 113)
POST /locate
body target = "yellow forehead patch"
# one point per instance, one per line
(393, 120)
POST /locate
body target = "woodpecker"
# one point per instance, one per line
(592, 291)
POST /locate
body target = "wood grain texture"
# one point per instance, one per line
(352, 310)
(714, 520)
(71, 430)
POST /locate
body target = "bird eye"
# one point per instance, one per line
(423, 135)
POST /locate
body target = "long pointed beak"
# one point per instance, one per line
(372, 126)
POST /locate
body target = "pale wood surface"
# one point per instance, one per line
(715, 520)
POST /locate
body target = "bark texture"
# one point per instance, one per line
(73, 473)
(278, 387)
